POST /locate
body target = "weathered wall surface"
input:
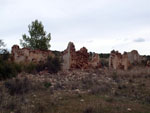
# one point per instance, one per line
(119, 61)
(95, 61)
(67, 56)
(134, 57)
(73, 59)
(79, 59)
(26, 55)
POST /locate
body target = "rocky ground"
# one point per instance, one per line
(77, 91)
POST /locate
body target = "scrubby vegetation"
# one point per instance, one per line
(104, 55)
(104, 62)
(72, 91)
(91, 91)
(52, 65)
(8, 69)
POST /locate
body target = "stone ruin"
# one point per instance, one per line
(134, 57)
(26, 55)
(95, 61)
(79, 59)
(118, 61)
(124, 61)
(73, 59)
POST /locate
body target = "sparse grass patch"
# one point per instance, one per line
(100, 89)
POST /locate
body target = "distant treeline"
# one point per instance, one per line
(104, 55)
(146, 56)
(101, 55)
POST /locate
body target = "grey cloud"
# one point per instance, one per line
(139, 40)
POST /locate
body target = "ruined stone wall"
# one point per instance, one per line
(95, 61)
(26, 55)
(134, 57)
(80, 59)
(67, 56)
(73, 59)
(119, 61)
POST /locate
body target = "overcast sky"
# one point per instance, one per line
(99, 25)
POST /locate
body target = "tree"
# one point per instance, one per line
(4, 54)
(37, 39)
(1, 43)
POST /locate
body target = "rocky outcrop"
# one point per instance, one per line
(73, 59)
(26, 55)
(118, 61)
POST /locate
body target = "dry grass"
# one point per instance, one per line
(98, 91)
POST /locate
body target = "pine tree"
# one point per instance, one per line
(37, 39)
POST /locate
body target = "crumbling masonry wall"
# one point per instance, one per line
(26, 55)
(118, 61)
(79, 59)
(124, 61)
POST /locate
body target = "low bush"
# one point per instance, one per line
(18, 86)
(104, 62)
(47, 84)
(53, 65)
(29, 68)
(7, 70)
(89, 110)
(4, 54)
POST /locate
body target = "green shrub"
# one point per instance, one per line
(104, 62)
(18, 67)
(29, 68)
(4, 54)
(7, 70)
(47, 84)
(53, 65)
(18, 86)
(89, 110)
(104, 55)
